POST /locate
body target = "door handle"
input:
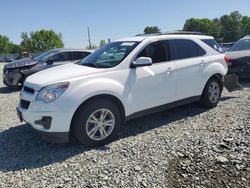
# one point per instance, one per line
(169, 69)
(202, 63)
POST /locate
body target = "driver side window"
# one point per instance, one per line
(157, 51)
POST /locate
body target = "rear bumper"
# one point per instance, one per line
(241, 69)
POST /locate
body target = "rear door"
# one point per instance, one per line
(190, 65)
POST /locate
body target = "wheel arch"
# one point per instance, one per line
(108, 97)
(217, 76)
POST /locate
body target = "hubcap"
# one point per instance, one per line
(214, 92)
(100, 124)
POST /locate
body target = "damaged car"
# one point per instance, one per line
(15, 73)
(239, 58)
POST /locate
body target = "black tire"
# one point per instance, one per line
(206, 99)
(83, 114)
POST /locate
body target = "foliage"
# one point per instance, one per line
(7, 47)
(152, 29)
(102, 43)
(227, 28)
(4, 44)
(91, 47)
(41, 41)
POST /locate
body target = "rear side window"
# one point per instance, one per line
(63, 56)
(79, 55)
(183, 48)
(213, 44)
(157, 51)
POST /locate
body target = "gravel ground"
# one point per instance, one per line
(187, 146)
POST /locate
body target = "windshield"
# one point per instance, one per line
(44, 56)
(243, 44)
(109, 55)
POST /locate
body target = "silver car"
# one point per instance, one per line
(14, 73)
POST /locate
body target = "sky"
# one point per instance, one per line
(106, 18)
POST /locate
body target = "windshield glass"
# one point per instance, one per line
(243, 44)
(109, 55)
(44, 56)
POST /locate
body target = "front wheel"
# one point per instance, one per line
(211, 93)
(96, 123)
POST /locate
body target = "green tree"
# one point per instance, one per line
(102, 43)
(204, 25)
(152, 29)
(245, 22)
(4, 45)
(227, 28)
(231, 27)
(40, 41)
(15, 49)
(91, 47)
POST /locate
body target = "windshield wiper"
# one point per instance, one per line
(91, 65)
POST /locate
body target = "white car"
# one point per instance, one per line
(92, 99)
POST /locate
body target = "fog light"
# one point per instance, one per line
(45, 122)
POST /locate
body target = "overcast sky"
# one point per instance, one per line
(106, 18)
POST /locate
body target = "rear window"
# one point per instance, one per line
(213, 44)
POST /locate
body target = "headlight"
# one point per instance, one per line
(52, 92)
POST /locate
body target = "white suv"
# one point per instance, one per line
(91, 100)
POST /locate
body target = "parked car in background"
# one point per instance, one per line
(226, 46)
(239, 58)
(125, 79)
(14, 73)
(2, 59)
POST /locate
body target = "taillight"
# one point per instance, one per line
(226, 59)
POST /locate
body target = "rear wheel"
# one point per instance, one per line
(96, 123)
(211, 93)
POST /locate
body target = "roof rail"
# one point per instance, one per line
(173, 33)
(184, 33)
(151, 34)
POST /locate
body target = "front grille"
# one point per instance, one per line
(28, 90)
(25, 104)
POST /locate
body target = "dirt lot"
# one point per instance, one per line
(187, 146)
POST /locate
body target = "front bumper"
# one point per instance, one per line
(51, 121)
(11, 77)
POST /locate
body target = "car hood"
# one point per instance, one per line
(238, 54)
(58, 74)
(20, 63)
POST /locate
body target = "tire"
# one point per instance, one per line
(211, 93)
(89, 126)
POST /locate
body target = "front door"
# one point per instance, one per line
(155, 85)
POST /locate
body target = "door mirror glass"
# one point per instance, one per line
(142, 61)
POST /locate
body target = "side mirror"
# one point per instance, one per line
(142, 61)
(50, 61)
